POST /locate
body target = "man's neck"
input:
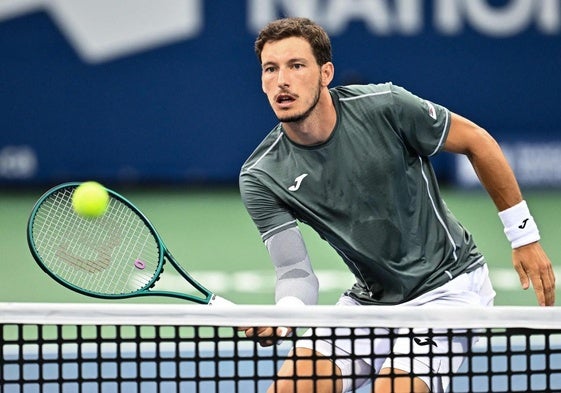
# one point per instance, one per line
(317, 127)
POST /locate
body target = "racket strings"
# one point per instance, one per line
(116, 253)
(139, 251)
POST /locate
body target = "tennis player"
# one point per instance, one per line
(353, 163)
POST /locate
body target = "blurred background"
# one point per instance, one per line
(162, 102)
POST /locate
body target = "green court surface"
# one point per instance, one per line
(211, 235)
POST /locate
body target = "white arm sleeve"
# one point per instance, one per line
(295, 277)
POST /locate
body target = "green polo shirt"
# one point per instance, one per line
(370, 191)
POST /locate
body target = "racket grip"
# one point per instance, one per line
(219, 301)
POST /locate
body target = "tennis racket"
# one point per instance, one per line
(117, 255)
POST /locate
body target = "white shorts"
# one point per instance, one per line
(363, 358)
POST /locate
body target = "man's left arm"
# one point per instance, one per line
(495, 174)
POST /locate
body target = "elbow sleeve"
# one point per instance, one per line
(293, 268)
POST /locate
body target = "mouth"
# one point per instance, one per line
(284, 100)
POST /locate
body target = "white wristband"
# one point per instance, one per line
(520, 227)
(287, 301)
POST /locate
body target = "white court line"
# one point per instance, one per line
(262, 281)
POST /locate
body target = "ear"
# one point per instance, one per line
(327, 73)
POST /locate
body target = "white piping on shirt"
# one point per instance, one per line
(277, 228)
(365, 95)
(448, 235)
(441, 141)
(266, 152)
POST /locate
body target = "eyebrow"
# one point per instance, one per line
(291, 61)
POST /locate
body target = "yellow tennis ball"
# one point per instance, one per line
(90, 199)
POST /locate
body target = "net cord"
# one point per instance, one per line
(269, 315)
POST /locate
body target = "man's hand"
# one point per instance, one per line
(533, 266)
(266, 336)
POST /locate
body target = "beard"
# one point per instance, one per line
(300, 117)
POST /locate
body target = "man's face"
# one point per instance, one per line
(291, 78)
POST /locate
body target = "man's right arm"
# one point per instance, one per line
(296, 282)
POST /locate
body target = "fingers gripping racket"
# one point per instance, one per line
(117, 255)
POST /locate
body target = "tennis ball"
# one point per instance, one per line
(90, 199)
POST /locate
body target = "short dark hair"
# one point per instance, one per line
(296, 27)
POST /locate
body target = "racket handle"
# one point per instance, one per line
(219, 301)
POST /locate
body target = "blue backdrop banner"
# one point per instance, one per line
(150, 91)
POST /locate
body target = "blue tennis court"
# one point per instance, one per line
(113, 368)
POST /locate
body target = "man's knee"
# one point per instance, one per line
(394, 380)
(307, 371)
(306, 384)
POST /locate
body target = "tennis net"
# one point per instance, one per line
(108, 347)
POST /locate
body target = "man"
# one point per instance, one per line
(353, 163)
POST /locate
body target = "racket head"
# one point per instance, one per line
(116, 255)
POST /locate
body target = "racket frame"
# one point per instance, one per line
(164, 256)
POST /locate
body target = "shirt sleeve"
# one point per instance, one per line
(268, 213)
(422, 124)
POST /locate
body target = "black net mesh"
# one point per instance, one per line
(197, 356)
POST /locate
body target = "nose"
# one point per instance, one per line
(281, 79)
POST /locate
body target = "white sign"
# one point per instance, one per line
(101, 30)
(407, 17)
